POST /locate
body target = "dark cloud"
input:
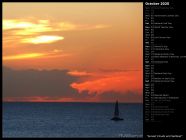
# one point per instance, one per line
(54, 83)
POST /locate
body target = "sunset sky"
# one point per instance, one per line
(72, 52)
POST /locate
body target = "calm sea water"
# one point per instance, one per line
(71, 120)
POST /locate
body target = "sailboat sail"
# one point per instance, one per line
(116, 113)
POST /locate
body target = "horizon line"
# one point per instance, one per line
(66, 102)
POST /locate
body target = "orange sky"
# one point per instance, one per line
(100, 43)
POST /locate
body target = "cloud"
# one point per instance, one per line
(54, 86)
(38, 99)
(26, 27)
(23, 56)
(15, 24)
(37, 31)
(32, 83)
(41, 86)
(116, 70)
(68, 26)
(80, 73)
(124, 82)
(42, 39)
(30, 27)
(52, 54)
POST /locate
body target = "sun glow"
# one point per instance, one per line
(23, 56)
(42, 39)
(14, 24)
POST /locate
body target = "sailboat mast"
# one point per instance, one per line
(116, 112)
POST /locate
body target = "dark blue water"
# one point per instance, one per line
(71, 120)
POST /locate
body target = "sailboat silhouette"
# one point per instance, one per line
(116, 113)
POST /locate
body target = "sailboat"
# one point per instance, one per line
(116, 113)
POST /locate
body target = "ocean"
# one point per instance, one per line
(37, 120)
